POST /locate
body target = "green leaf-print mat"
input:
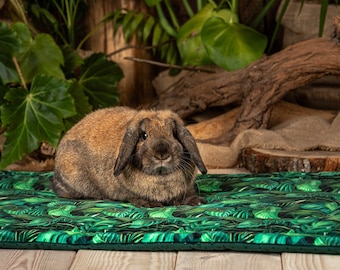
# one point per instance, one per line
(278, 212)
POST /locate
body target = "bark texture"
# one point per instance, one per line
(268, 161)
(257, 87)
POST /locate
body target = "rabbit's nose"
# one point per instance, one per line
(162, 151)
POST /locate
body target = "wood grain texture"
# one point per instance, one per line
(291, 68)
(227, 261)
(301, 261)
(136, 86)
(271, 160)
(93, 259)
(258, 87)
(36, 259)
(122, 260)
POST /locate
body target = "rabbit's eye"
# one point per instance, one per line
(144, 135)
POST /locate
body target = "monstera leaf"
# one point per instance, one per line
(232, 45)
(189, 41)
(34, 116)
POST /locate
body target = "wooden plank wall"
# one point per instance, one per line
(136, 87)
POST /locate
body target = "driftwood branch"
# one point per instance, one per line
(196, 91)
(287, 70)
(258, 87)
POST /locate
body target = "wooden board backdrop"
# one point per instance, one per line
(136, 88)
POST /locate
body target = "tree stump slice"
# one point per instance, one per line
(267, 161)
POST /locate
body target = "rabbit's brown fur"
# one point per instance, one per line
(145, 157)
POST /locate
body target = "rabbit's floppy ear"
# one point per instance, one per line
(126, 149)
(188, 141)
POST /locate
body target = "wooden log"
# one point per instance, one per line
(262, 84)
(286, 70)
(197, 91)
(291, 68)
(266, 161)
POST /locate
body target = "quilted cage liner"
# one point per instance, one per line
(278, 212)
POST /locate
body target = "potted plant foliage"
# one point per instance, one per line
(46, 87)
(213, 33)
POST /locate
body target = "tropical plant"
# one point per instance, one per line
(62, 19)
(44, 91)
(213, 33)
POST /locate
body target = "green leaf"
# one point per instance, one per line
(126, 24)
(3, 91)
(144, 223)
(232, 46)
(116, 17)
(136, 22)
(40, 12)
(172, 54)
(34, 116)
(9, 45)
(163, 213)
(265, 184)
(148, 26)
(82, 104)
(156, 37)
(152, 3)
(242, 213)
(155, 237)
(274, 238)
(42, 56)
(171, 29)
(327, 241)
(99, 80)
(23, 35)
(164, 43)
(72, 61)
(64, 211)
(309, 185)
(323, 13)
(164, 49)
(213, 237)
(225, 212)
(262, 13)
(280, 15)
(6, 235)
(26, 184)
(211, 186)
(270, 212)
(189, 39)
(53, 236)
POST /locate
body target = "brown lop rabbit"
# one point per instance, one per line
(144, 157)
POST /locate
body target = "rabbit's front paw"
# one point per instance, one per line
(145, 203)
(195, 200)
